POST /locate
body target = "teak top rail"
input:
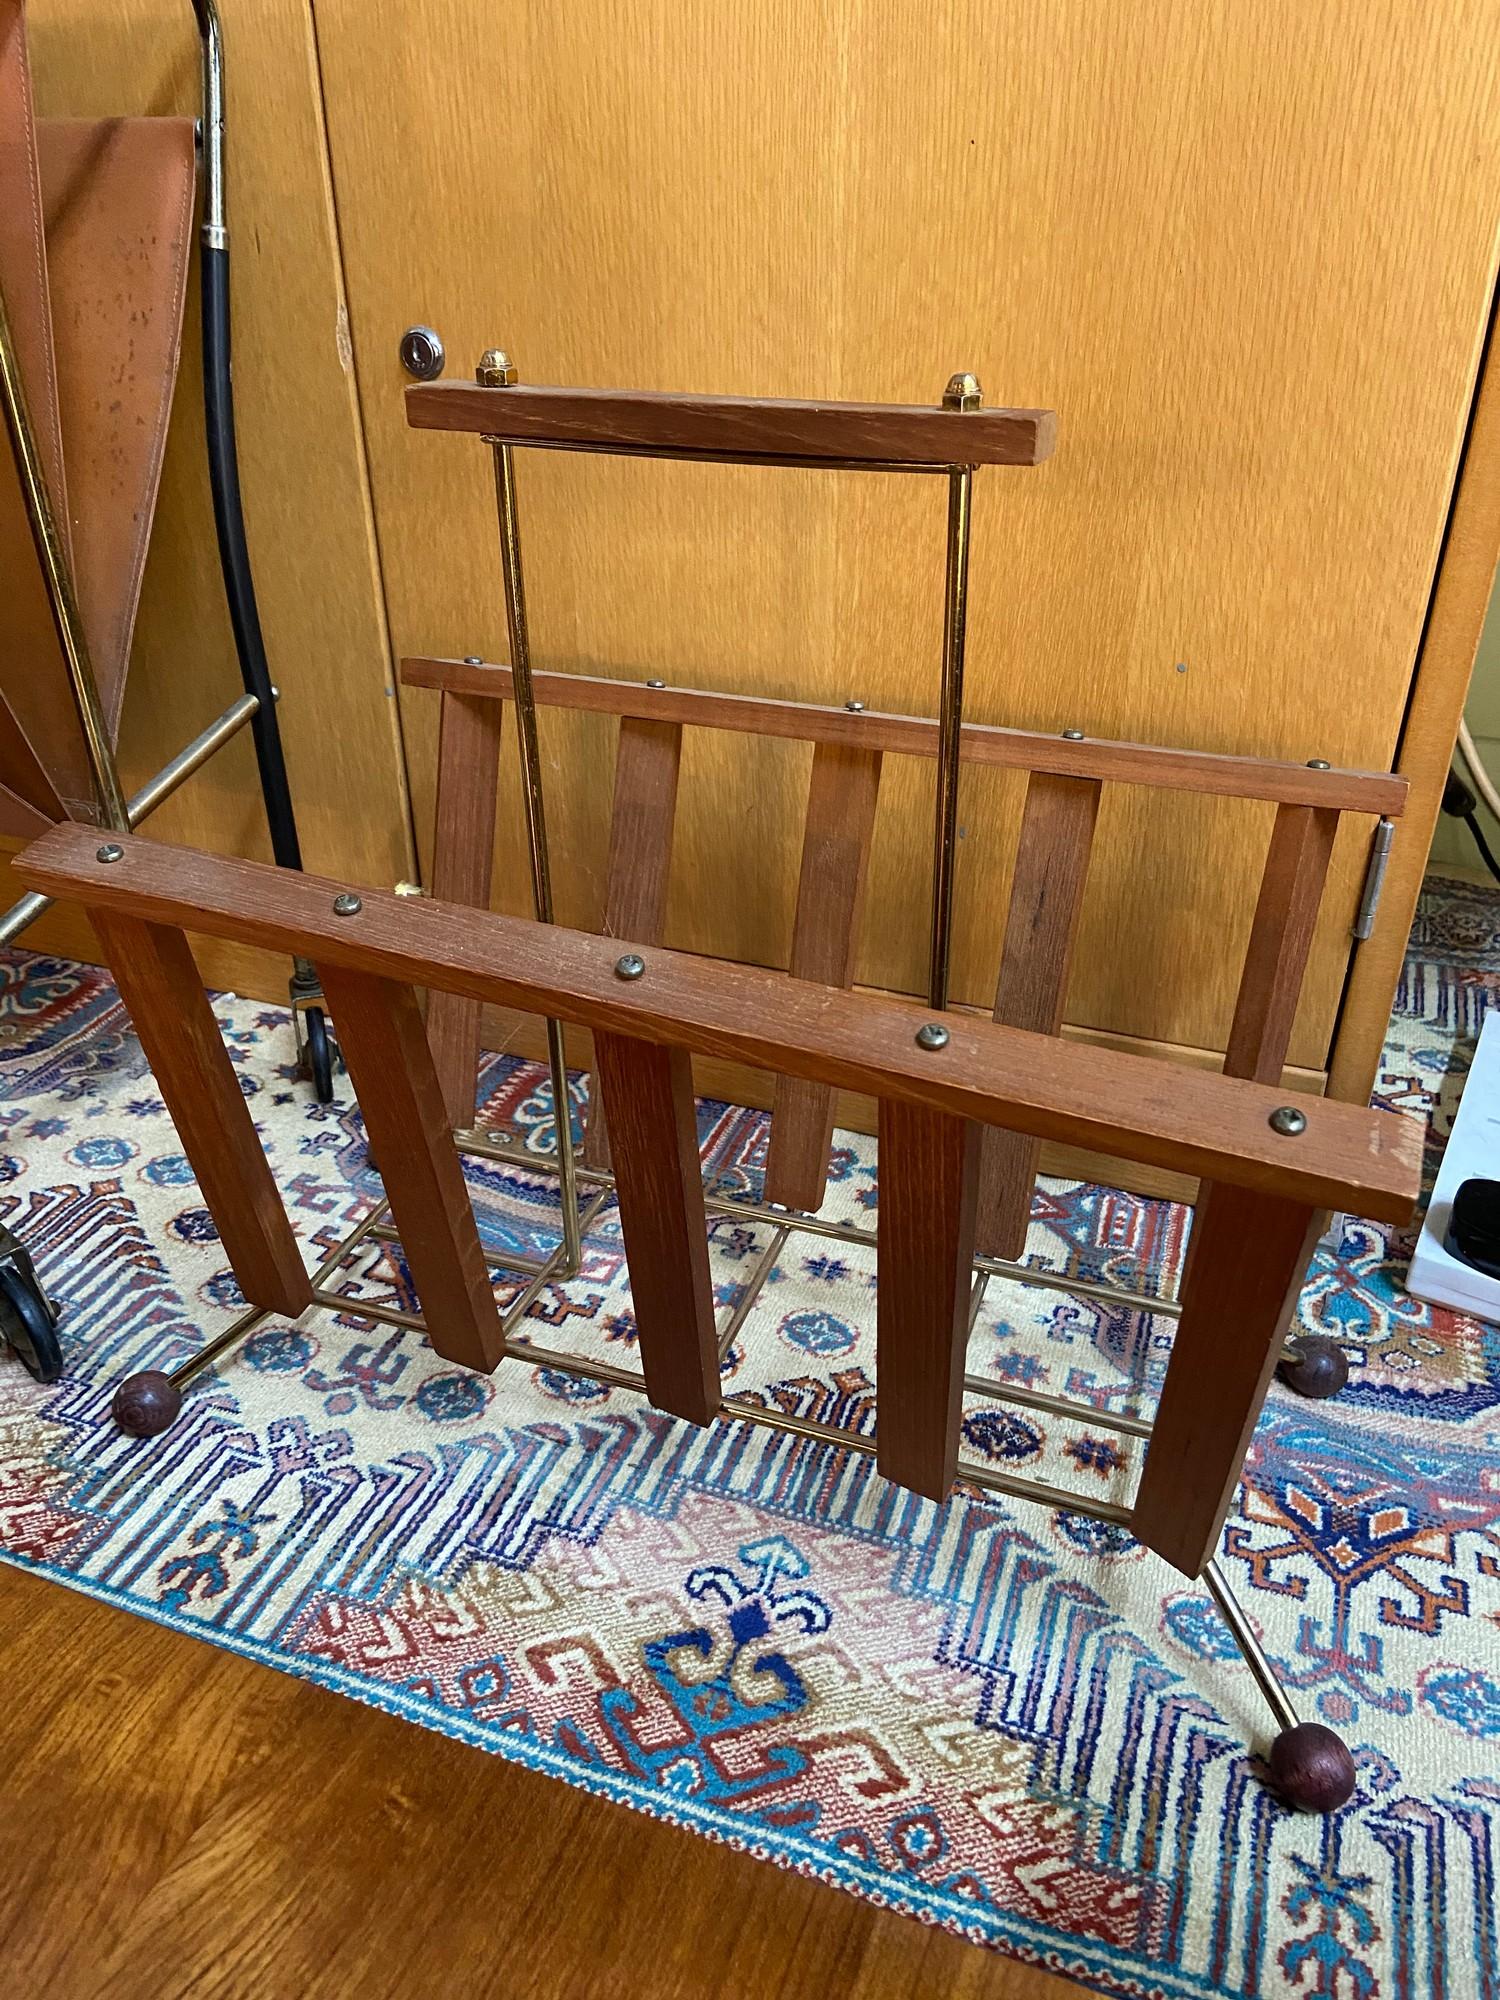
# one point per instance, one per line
(1206, 771)
(737, 429)
(1135, 1106)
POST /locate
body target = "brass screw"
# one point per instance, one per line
(110, 851)
(1288, 1121)
(631, 966)
(496, 370)
(932, 1035)
(346, 905)
(963, 392)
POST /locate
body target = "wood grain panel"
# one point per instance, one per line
(648, 1093)
(737, 428)
(858, 728)
(1046, 898)
(1247, 1257)
(647, 763)
(841, 803)
(169, 1010)
(929, 1191)
(929, 1185)
(1205, 1124)
(1281, 935)
(311, 532)
(1251, 481)
(390, 1063)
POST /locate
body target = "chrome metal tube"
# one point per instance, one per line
(215, 232)
(536, 823)
(149, 797)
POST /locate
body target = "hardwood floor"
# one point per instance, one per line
(177, 1821)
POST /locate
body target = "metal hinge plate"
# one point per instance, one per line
(1380, 860)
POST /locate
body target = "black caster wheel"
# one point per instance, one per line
(1318, 1369)
(1312, 1768)
(146, 1404)
(319, 1053)
(27, 1321)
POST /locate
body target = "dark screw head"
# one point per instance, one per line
(110, 851)
(1072, 736)
(1288, 1121)
(347, 905)
(932, 1035)
(656, 684)
(631, 966)
(1318, 764)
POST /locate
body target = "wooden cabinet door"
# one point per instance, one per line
(1246, 253)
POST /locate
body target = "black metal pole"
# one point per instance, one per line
(234, 555)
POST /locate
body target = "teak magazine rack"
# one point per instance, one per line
(963, 1103)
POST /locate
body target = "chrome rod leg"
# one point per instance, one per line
(495, 371)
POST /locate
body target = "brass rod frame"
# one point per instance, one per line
(189, 759)
(950, 731)
(536, 824)
(1251, 1651)
(1011, 1486)
(57, 575)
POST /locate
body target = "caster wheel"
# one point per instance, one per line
(319, 1054)
(1312, 1768)
(1321, 1367)
(27, 1320)
(147, 1404)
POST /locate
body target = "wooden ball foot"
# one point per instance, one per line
(1312, 1768)
(146, 1404)
(1320, 1370)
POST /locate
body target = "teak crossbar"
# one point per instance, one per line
(1264, 1185)
(984, 744)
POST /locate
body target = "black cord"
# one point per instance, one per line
(1472, 822)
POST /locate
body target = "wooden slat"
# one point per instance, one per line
(396, 1082)
(1046, 896)
(648, 1093)
(1247, 1258)
(928, 1168)
(1151, 764)
(1281, 936)
(841, 799)
(739, 428)
(1134, 1106)
(647, 764)
(163, 992)
(462, 860)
